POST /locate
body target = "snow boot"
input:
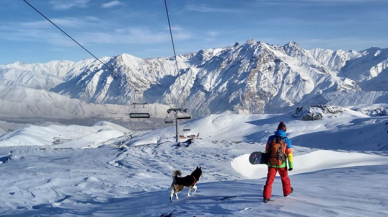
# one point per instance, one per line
(292, 190)
(266, 200)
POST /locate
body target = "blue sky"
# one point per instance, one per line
(140, 28)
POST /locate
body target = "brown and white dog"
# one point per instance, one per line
(189, 181)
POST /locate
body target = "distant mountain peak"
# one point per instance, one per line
(251, 41)
(292, 44)
(253, 77)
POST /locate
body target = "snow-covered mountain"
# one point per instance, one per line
(253, 77)
(335, 60)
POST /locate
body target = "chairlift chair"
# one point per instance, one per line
(169, 118)
(183, 116)
(168, 121)
(139, 115)
(140, 109)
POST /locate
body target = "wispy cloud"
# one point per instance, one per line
(315, 2)
(133, 36)
(288, 21)
(213, 33)
(44, 32)
(64, 5)
(205, 9)
(345, 43)
(34, 35)
(61, 22)
(343, 1)
(174, 28)
(321, 1)
(111, 4)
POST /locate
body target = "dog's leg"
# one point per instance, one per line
(188, 194)
(176, 195)
(195, 188)
(171, 193)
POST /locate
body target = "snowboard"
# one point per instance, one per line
(258, 157)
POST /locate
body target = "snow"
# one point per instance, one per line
(108, 170)
(311, 162)
(72, 136)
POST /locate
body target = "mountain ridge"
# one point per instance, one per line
(253, 77)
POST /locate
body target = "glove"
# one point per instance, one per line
(289, 169)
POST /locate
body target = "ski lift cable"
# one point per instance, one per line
(110, 69)
(173, 47)
(65, 33)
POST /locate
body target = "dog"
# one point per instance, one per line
(189, 181)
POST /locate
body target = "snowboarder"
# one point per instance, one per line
(278, 148)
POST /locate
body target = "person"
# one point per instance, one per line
(276, 165)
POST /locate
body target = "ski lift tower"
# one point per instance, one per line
(180, 113)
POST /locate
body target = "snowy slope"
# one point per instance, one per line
(102, 171)
(43, 75)
(72, 136)
(370, 70)
(335, 60)
(16, 101)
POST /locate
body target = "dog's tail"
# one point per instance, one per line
(176, 173)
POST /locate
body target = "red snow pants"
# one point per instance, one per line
(271, 177)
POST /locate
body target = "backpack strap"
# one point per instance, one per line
(272, 142)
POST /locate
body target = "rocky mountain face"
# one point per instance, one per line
(253, 77)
